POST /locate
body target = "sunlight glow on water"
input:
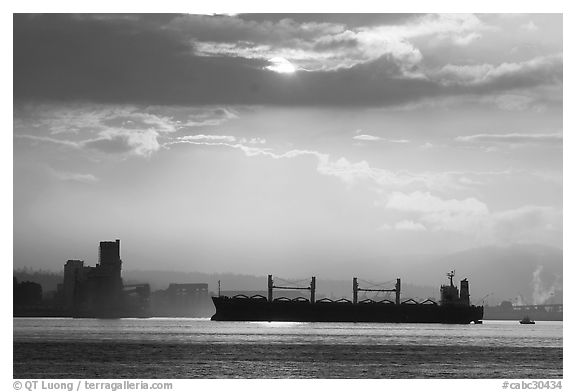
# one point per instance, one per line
(190, 348)
(542, 334)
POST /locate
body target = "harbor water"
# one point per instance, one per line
(200, 348)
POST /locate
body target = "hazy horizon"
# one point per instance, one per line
(522, 274)
(302, 143)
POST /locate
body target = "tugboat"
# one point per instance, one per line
(526, 320)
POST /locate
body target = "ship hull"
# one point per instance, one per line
(248, 309)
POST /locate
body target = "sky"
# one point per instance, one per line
(295, 144)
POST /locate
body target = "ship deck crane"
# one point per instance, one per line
(356, 289)
(272, 286)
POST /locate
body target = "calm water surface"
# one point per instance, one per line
(200, 348)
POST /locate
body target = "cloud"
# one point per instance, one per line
(251, 151)
(140, 136)
(516, 139)
(112, 141)
(311, 45)
(470, 216)
(368, 138)
(324, 46)
(340, 168)
(517, 102)
(116, 129)
(371, 138)
(348, 19)
(76, 177)
(540, 70)
(112, 145)
(440, 214)
(222, 138)
(76, 118)
(409, 225)
(404, 225)
(528, 222)
(379, 179)
(47, 139)
(118, 141)
(105, 135)
(204, 117)
(254, 140)
(346, 171)
(468, 181)
(465, 40)
(422, 210)
(531, 98)
(428, 146)
(529, 26)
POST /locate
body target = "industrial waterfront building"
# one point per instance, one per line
(99, 290)
(182, 300)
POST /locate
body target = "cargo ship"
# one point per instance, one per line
(454, 306)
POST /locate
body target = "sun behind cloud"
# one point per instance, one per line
(281, 65)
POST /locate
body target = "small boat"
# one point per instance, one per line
(526, 320)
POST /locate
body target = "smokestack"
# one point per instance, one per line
(313, 290)
(270, 284)
(355, 290)
(464, 292)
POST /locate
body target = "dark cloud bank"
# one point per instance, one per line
(136, 60)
